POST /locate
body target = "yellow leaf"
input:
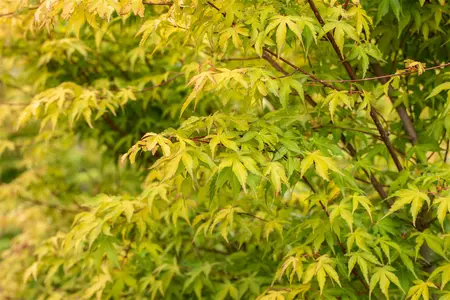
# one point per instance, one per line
(365, 202)
(443, 208)
(128, 209)
(281, 36)
(241, 173)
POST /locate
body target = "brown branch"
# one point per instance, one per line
(401, 109)
(253, 216)
(368, 182)
(446, 151)
(240, 58)
(270, 60)
(314, 191)
(216, 8)
(376, 184)
(344, 6)
(330, 37)
(352, 74)
(349, 129)
(309, 184)
(312, 76)
(386, 140)
(378, 77)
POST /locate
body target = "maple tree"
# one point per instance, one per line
(226, 149)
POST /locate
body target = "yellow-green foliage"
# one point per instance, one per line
(224, 149)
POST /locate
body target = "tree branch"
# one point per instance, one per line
(157, 3)
(312, 76)
(401, 109)
(376, 184)
(351, 73)
(344, 6)
(253, 216)
(446, 151)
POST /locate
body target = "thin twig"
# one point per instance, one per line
(270, 60)
(368, 182)
(312, 76)
(376, 184)
(352, 151)
(401, 109)
(446, 151)
(402, 73)
(349, 129)
(309, 184)
(216, 8)
(240, 58)
(253, 216)
(157, 3)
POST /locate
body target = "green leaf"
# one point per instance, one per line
(322, 164)
(384, 276)
(128, 209)
(365, 202)
(443, 204)
(412, 196)
(277, 175)
(241, 173)
(420, 289)
(439, 88)
(321, 268)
